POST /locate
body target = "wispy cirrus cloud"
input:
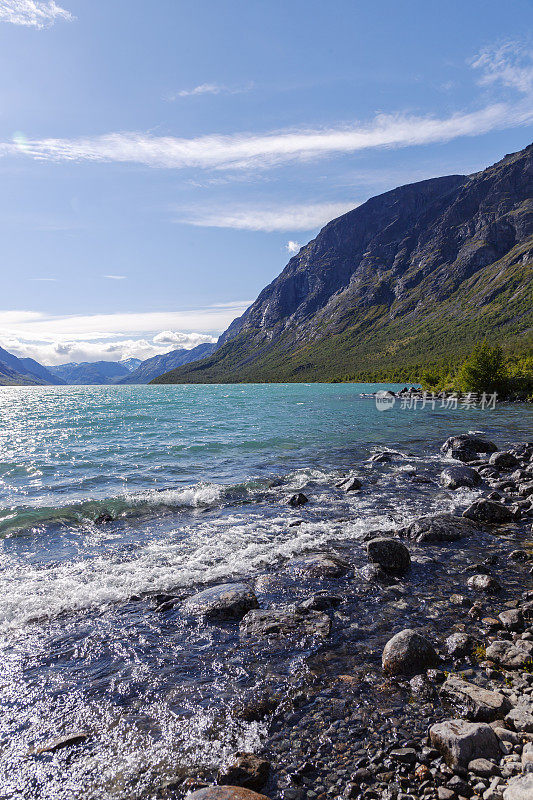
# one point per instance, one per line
(259, 151)
(297, 217)
(510, 64)
(32, 13)
(210, 88)
(115, 277)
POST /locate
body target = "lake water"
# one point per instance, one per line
(196, 481)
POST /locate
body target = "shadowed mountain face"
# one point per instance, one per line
(157, 365)
(412, 276)
(24, 371)
(95, 373)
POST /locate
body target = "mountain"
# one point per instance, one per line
(131, 364)
(24, 371)
(412, 277)
(157, 365)
(91, 373)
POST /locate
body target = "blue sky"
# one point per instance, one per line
(160, 161)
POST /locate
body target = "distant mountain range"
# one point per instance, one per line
(27, 372)
(412, 277)
(157, 365)
(24, 372)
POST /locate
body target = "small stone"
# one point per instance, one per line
(405, 755)
(484, 583)
(488, 511)
(284, 624)
(514, 655)
(245, 769)
(503, 460)
(445, 794)
(512, 619)
(459, 644)
(482, 767)
(225, 793)
(521, 716)
(475, 703)
(457, 477)
(227, 601)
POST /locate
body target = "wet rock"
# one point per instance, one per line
(519, 555)
(298, 499)
(467, 447)
(459, 644)
(319, 565)
(391, 554)
(408, 652)
(484, 583)
(521, 717)
(439, 528)
(512, 619)
(380, 458)
(227, 601)
(404, 755)
(245, 769)
(373, 573)
(457, 477)
(520, 788)
(503, 460)
(421, 687)
(514, 655)
(460, 742)
(473, 702)
(284, 624)
(488, 511)
(103, 518)
(350, 484)
(226, 793)
(525, 489)
(68, 740)
(321, 601)
(255, 707)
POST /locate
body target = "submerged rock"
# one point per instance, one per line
(319, 565)
(438, 528)
(488, 511)
(461, 742)
(227, 601)
(298, 499)
(408, 652)
(321, 601)
(373, 573)
(285, 624)
(473, 702)
(391, 554)
(457, 477)
(467, 447)
(245, 769)
(68, 740)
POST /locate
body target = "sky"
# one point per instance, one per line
(161, 161)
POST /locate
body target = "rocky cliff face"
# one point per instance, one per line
(419, 269)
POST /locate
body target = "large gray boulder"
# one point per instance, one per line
(460, 742)
(285, 624)
(521, 716)
(520, 788)
(473, 702)
(457, 477)
(488, 511)
(439, 528)
(390, 554)
(513, 655)
(407, 653)
(227, 601)
(467, 447)
(319, 565)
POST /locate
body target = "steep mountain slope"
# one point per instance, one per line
(91, 373)
(410, 277)
(25, 371)
(157, 365)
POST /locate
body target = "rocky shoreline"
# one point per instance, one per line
(443, 710)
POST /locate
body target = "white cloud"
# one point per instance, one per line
(34, 326)
(32, 13)
(510, 64)
(115, 277)
(292, 247)
(177, 339)
(302, 217)
(210, 88)
(248, 151)
(46, 280)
